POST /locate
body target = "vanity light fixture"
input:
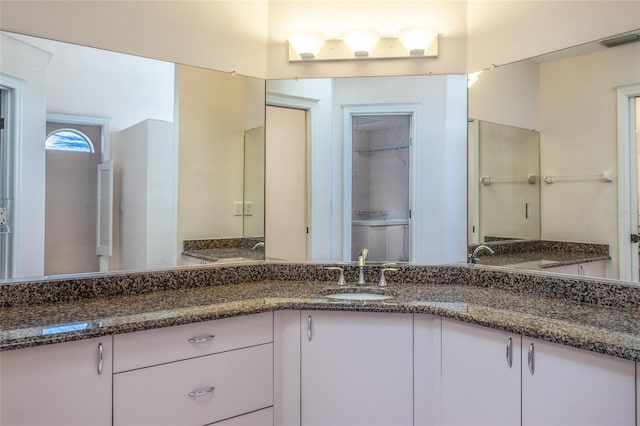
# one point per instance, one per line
(413, 42)
(417, 39)
(360, 42)
(306, 43)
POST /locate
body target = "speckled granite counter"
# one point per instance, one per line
(538, 255)
(225, 250)
(596, 316)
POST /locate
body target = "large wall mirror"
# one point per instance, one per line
(384, 165)
(561, 109)
(140, 156)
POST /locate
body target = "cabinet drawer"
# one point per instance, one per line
(230, 384)
(162, 345)
(257, 418)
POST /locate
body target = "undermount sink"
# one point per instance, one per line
(361, 294)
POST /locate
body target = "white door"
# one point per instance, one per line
(357, 369)
(480, 375)
(628, 182)
(286, 188)
(71, 198)
(568, 386)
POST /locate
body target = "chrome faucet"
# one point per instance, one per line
(361, 262)
(473, 258)
(260, 244)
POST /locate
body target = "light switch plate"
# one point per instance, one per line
(237, 208)
(3, 215)
(248, 208)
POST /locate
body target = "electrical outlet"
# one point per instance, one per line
(237, 208)
(248, 208)
(3, 215)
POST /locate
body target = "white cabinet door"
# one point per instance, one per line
(567, 386)
(427, 337)
(480, 375)
(597, 269)
(57, 385)
(357, 369)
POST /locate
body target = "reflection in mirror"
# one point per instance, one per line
(430, 151)
(253, 226)
(570, 98)
(504, 183)
(147, 113)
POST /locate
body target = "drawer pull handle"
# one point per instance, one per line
(201, 339)
(309, 326)
(531, 359)
(100, 358)
(510, 352)
(201, 392)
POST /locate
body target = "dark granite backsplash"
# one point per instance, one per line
(599, 292)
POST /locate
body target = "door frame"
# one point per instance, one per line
(349, 111)
(627, 262)
(105, 155)
(311, 108)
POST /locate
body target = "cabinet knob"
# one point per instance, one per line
(201, 392)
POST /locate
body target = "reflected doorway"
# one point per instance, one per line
(286, 184)
(380, 186)
(71, 198)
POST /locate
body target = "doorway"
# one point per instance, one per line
(73, 153)
(628, 100)
(380, 186)
(6, 186)
(286, 184)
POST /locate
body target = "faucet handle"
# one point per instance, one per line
(383, 280)
(341, 280)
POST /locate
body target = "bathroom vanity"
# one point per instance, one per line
(261, 344)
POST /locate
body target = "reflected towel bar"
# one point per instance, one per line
(604, 177)
(488, 180)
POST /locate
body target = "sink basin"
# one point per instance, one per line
(358, 296)
(359, 293)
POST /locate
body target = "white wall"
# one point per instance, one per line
(126, 89)
(23, 68)
(440, 150)
(578, 137)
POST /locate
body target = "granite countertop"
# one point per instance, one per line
(538, 255)
(539, 261)
(226, 254)
(603, 329)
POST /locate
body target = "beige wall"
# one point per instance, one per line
(578, 137)
(507, 95)
(388, 17)
(499, 32)
(249, 36)
(211, 115)
(221, 35)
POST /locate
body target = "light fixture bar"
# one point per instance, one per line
(386, 48)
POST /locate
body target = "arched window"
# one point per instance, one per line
(68, 140)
